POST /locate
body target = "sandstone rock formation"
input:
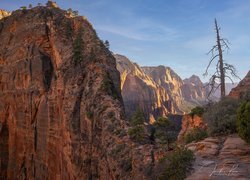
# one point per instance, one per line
(242, 87)
(61, 119)
(221, 158)
(141, 91)
(171, 82)
(4, 13)
(194, 90)
(188, 124)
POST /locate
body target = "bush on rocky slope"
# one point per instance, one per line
(198, 110)
(164, 132)
(137, 130)
(243, 121)
(177, 164)
(197, 134)
(221, 116)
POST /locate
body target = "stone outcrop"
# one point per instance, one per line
(242, 87)
(188, 124)
(61, 112)
(221, 158)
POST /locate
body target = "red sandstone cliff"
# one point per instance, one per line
(59, 119)
(188, 124)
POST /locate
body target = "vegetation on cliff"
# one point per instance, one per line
(78, 48)
(198, 110)
(196, 134)
(243, 121)
(164, 132)
(137, 129)
(177, 164)
(221, 116)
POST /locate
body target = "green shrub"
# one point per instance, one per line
(197, 111)
(137, 130)
(126, 165)
(243, 121)
(245, 95)
(137, 133)
(137, 118)
(197, 134)
(221, 117)
(78, 48)
(179, 163)
(164, 132)
(90, 114)
(109, 87)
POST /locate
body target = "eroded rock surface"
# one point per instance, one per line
(188, 124)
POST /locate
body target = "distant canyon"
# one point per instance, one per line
(159, 91)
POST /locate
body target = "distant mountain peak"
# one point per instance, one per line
(194, 79)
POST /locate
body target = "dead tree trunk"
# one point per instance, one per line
(222, 68)
(222, 74)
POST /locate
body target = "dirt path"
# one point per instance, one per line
(221, 158)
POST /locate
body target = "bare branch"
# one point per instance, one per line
(214, 48)
(212, 83)
(230, 79)
(211, 60)
(231, 69)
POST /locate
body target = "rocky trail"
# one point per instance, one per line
(221, 158)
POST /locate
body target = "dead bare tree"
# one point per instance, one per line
(223, 70)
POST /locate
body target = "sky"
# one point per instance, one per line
(174, 33)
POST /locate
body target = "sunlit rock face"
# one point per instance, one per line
(60, 119)
(139, 90)
(242, 88)
(194, 90)
(158, 91)
(4, 13)
(188, 124)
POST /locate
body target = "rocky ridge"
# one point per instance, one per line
(242, 88)
(61, 111)
(188, 124)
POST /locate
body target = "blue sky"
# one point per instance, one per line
(175, 33)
